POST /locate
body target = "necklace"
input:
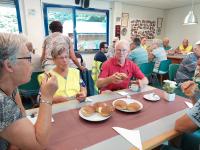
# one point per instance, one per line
(12, 97)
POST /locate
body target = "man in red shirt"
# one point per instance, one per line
(117, 71)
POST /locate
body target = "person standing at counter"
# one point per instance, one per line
(188, 65)
(117, 71)
(57, 37)
(184, 48)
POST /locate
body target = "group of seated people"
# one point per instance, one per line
(59, 82)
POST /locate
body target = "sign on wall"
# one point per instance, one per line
(143, 28)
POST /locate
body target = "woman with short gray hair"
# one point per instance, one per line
(16, 131)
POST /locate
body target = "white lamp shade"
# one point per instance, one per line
(190, 18)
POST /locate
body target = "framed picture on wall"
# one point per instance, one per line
(159, 22)
(124, 19)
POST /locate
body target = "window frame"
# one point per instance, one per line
(74, 9)
(18, 15)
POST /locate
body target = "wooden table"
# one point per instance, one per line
(176, 59)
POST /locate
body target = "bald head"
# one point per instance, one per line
(166, 42)
(185, 42)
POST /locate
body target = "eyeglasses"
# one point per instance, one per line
(28, 58)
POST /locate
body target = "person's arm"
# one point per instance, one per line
(116, 78)
(185, 124)
(73, 57)
(43, 52)
(142, 82)
(23, 134)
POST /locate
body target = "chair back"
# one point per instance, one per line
(164, 66)
(147, 68)
(172, 71)
(32, 87)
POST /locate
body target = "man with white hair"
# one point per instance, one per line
(117, 71)
(158, 53)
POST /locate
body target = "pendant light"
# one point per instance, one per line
(190, 19)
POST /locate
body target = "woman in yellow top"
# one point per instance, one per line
(184, 48)
(69, 80)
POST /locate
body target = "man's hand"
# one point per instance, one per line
(188, 88)
(118, 77)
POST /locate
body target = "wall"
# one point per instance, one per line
(137, 12)
(174, 28)
(33, 20)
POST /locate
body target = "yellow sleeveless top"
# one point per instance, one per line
(185, 50)
(66, 87)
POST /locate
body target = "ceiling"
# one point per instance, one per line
(161, 4)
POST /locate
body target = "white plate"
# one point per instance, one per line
(94, 118)
(128, 101)
(151, 97)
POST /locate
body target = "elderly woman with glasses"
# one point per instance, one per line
(70, 84)
(16, 131)
(117, 71)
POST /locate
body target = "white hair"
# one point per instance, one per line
(10, 44)
(157, 42)
(123, 42)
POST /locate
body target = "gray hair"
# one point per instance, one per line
(58, 48)
(10, 44)
(158, 42)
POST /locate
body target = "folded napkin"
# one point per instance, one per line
(133, 136)
(190, 105)
(122, 93)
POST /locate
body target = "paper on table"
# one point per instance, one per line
(122, 93)
(133, 136)
(34, 119)
(190, 105)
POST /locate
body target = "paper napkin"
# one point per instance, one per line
(122, 93)
(133, 136)
(190, 105)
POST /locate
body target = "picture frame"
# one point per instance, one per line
(159, 22)
(124, 19)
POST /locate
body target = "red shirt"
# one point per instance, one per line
(111, 66)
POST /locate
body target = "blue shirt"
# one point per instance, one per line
(139, 55)
(187, 68)
(194, 113)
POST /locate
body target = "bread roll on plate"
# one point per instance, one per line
(133, 107)
(87, 110)
(120, 104)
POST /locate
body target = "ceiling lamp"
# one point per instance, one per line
(190, 19)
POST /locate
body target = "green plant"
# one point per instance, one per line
(169, 86)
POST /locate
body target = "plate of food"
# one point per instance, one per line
(127, 105)
(96, 112)
(151, 97)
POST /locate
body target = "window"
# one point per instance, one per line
(89, 26)
(10, 16)
(91, 29)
